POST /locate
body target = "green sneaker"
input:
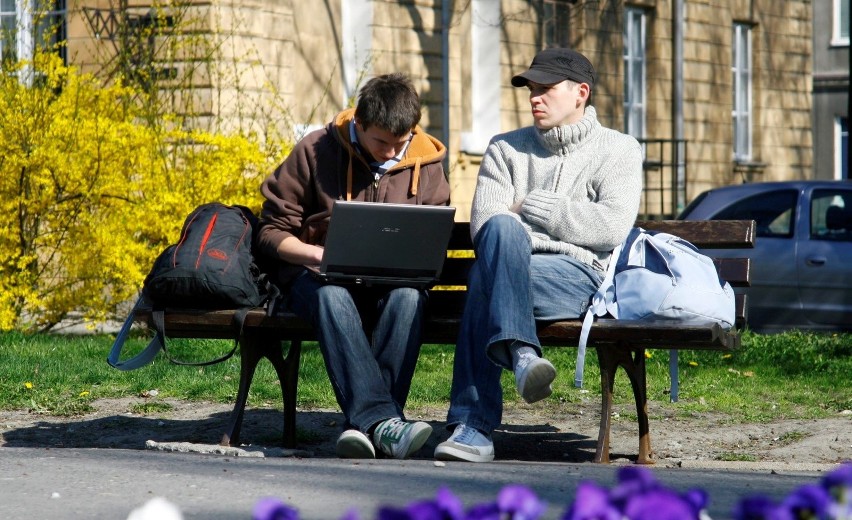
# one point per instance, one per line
(399, 439)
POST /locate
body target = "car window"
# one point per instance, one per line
(774, 212)
(831, 215)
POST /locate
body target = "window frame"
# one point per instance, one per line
(634, 54)
(742, 88)
(841, 148)
(30, 29)
(821, 201)
(555, 23)
(838, 39)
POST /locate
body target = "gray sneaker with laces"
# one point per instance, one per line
(466, 444)
(533, 376)
(399, 439)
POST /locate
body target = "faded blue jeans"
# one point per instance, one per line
(509, 289)
(370, 340)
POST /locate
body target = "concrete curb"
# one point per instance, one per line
(215, 449)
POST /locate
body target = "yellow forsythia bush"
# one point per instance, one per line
(91, 192)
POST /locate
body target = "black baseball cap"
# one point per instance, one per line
(552, 66)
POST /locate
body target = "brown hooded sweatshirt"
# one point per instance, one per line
(324, 167)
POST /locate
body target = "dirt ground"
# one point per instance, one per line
(547, 431)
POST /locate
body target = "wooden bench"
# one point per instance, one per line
(619, 343)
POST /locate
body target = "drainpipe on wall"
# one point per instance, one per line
(446, 18)
(677, 99)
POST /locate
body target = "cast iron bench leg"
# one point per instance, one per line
(288, 376)
(634, 365)
(608, 364)
(253, 348)
(610, 357)
(250, 354)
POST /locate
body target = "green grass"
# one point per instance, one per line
(791, 375)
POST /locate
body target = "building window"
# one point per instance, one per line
(840, 22)
(634, 72)
(555, 23)
(741, 112)
(841, 148)
(29, 24)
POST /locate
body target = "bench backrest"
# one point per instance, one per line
(447, 299)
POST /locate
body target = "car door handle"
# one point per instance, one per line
(816, 261)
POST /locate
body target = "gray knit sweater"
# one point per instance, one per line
(580, 185)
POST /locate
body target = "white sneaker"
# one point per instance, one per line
(352, 444)
(466, 444)
(399, 439)
(533, 376)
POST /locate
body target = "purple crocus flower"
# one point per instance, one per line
(351, 514)
(698, 498)
(591, 503)
(273, 509)
(839, 479)
(519, 503)
(445, 506)
(838, 483)
(808, 501)
(632, 480)
(659, 504)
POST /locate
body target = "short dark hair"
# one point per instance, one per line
(389, 102)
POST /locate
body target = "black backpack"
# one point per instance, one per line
(211, 267)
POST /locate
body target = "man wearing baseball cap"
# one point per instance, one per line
(552, 200)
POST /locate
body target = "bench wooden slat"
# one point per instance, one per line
(707, 234)
(736, 271)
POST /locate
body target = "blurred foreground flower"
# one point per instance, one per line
(831, 499)
(637, 495)
(273, 509)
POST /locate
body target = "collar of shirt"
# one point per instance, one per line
(378, 168)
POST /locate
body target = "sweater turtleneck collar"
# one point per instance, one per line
(570, 136)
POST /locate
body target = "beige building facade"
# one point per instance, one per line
(718, 90)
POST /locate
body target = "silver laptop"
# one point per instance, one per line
(393, 244)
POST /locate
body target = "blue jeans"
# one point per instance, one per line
(370, 340)
(509, 289)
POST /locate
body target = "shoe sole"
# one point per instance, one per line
(354, 448)
(452, 451)
(537, 380)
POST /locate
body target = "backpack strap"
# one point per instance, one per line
(158, 342)
(141, 359)
(238, 322)
(598, 307)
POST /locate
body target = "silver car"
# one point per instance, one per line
(802, 260)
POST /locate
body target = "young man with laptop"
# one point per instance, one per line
(552, 200)
(369, 333)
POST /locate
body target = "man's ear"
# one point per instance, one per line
(585, 91)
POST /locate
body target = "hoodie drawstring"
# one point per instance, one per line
(415, 178)
(349, 178)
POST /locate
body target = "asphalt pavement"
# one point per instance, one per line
(38, 483)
